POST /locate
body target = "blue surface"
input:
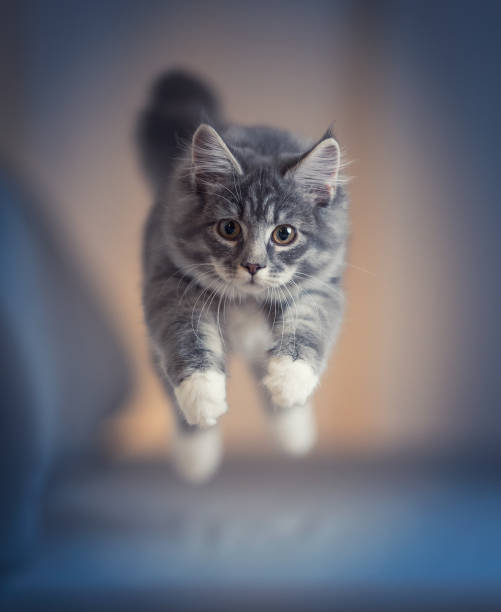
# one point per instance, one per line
(259, 528)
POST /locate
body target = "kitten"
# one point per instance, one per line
(243, 251)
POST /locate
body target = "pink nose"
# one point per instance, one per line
(252, 267)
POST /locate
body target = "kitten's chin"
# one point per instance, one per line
(252, 288)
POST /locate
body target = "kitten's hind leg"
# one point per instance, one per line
(196, 452)
(294, 429)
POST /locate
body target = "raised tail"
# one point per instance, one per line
(178, 103)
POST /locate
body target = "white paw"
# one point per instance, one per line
(295, 429)
(202, 397)
(197, 454)
(289, 382)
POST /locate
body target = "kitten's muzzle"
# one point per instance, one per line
(252, 267)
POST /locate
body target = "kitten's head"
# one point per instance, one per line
(262, 225)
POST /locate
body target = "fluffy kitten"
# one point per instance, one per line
(243, 251)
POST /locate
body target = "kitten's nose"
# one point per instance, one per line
(252, 267)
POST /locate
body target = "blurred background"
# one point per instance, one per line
(413, 91)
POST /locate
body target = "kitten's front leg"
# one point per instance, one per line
(302, 339)
(290, 381)
(189, 353)
(201, 396)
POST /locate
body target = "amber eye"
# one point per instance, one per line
(229, 229)
(283, 234)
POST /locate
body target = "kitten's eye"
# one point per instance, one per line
(229, 229)
(283, 234)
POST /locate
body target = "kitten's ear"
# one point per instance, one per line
(317, 171)
(212, 161)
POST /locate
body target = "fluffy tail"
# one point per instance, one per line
(178, 103)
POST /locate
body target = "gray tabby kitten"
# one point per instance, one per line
(243, 251)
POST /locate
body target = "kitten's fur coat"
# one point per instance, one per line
(211, 288)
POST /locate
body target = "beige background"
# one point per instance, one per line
(295, 70)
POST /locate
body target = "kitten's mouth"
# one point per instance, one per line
(252, 285)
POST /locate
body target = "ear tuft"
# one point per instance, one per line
(317, 172)
(212, 161)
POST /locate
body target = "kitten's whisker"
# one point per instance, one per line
(313, 301)
(229, 297)
(193, 312)
(278, 302)
(211, 298)
(283, 317)
(317, 280)
(210, 288)
(224, 303)
(360, 268)
(179, 271)
(196, 279)
(212, 292)
(295, 316)
(218, 307)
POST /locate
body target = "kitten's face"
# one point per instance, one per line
(258, 235)
(258, 232)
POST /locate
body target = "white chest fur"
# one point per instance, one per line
(248, 331)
